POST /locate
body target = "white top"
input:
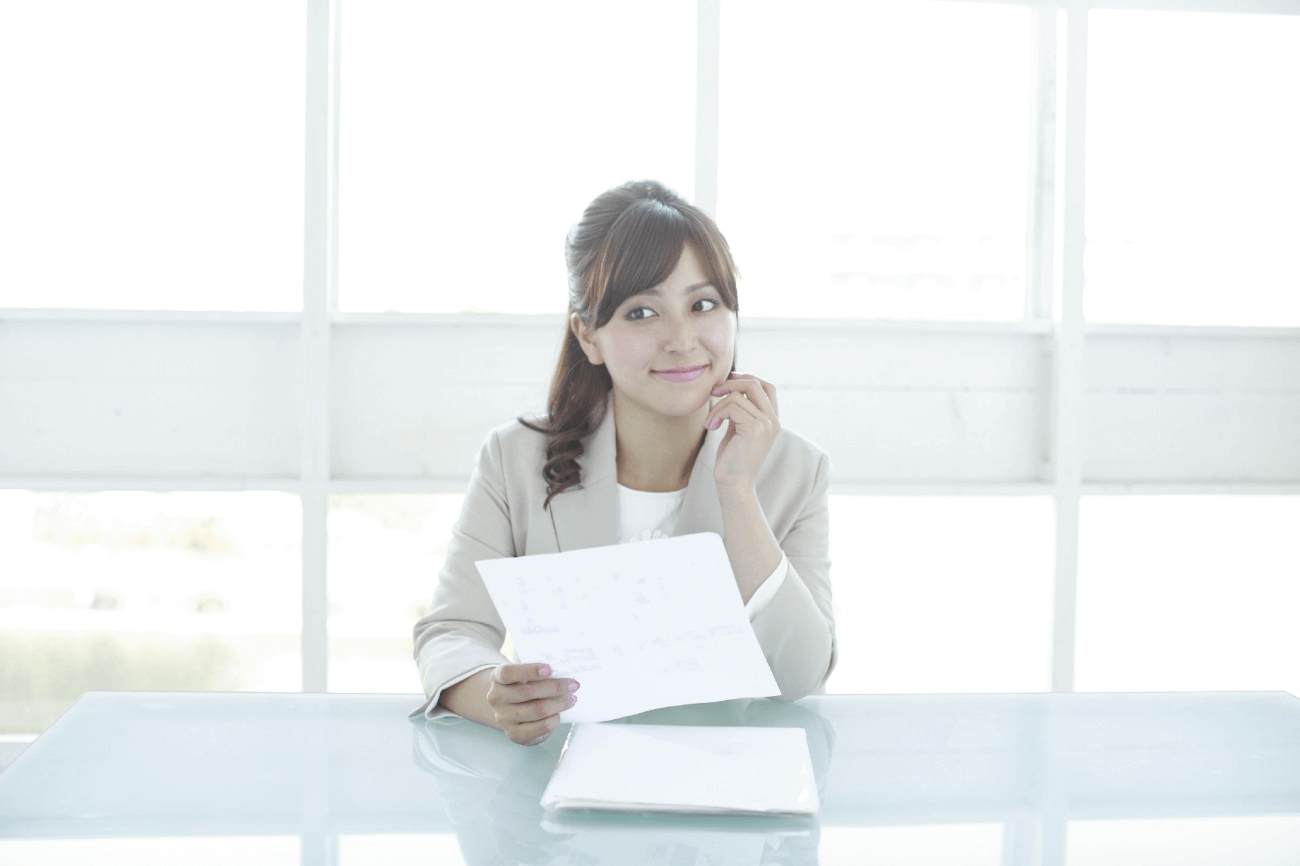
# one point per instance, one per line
(644, 516)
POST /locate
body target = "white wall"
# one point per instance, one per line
(159, 398)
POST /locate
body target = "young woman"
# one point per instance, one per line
(650, 433)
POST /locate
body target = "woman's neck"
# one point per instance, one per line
(656, 453)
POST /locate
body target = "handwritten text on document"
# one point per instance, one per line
(645, 625)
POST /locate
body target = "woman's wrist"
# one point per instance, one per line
(740, 495)
(468, 699)
(751, 547)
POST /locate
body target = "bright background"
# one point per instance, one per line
(262, 298)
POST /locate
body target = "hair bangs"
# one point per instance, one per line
(715, 256)
(640, 251)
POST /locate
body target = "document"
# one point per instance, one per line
(641, 626)
(680, 768)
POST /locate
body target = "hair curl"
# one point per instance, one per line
(628, 240)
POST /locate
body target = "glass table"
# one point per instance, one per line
(255, 779)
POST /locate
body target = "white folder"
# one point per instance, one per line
(680, 768)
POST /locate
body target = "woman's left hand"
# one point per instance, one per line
(749, 404)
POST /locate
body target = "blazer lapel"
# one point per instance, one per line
(701, 511)
(587, 515)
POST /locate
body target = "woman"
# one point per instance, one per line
(650, 432)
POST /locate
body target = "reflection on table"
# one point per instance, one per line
(967, 779)
(493, 790)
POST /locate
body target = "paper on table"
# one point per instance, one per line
(641, 626)
(685, 769)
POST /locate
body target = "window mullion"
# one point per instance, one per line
(707, 82)
(319, 238)
(1067, 372)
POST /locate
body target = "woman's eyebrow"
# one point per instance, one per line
(658, 292)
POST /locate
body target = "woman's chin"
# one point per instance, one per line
(694, 409)
(680, 407)
(689, 407)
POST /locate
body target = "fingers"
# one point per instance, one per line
(533, 693)
(745, 401)
(509, 674)
(534, 700)
(754, 388)
(527, 702)
(532, 733)
(535, 711)
(520, 684)
(746, 392)
(737, 410)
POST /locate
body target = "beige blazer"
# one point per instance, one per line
(502, 515)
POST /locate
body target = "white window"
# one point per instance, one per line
(472, 135)
(1193, 197)
(153, 155)
(874, 157)
(899, 181)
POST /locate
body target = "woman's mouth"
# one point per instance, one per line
(682, 374)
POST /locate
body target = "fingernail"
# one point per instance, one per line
(574, 685)
(720, 391)
(544, 671)
(573, 699)
(734, 375)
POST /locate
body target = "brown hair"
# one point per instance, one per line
(628, 240)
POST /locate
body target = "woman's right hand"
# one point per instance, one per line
(527, 703)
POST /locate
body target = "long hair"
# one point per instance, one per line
(628, 240)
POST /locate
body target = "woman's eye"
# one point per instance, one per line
(704, 305)
(638, 313)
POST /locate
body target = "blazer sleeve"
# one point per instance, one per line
(796, 629)
(462, 633)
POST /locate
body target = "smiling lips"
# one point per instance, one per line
(682, 374)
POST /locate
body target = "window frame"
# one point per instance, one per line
(1052, 313)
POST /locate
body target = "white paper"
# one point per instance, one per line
(641, 626)
(685, 768)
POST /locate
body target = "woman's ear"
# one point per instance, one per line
(585, 341)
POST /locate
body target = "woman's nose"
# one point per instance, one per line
(679, 333)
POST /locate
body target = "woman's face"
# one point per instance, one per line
(668, 347)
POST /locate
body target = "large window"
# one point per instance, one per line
(969, 615)
(1189, 593)
(145, 591)
(385, 552)
(269, 273)
(908, 195)
(1193, 185)
(472, 135)
(153, 155)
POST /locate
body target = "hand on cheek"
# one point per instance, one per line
(748, 405)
